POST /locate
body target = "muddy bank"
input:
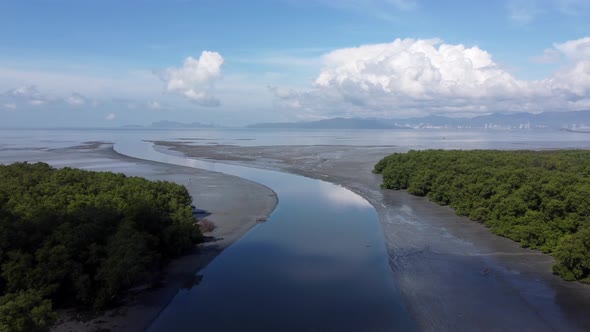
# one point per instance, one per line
(453, 273)
(235, 205)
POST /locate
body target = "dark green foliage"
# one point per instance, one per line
(25, 311)
(73, 237)
(540, 199)
(573, 254)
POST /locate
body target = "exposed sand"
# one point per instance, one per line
(453, 273)
(235, 205)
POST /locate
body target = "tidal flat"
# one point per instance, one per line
(235, 205)
(452, 272)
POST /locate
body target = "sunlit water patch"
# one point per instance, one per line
(319, 263)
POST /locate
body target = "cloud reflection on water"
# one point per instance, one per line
(341, 196)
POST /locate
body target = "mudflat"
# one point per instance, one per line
(235, 205)
(453, 273)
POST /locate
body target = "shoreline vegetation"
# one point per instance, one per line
(75, 238)
(539, 199)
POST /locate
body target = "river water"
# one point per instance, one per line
(319, 263)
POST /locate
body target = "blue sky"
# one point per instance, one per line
(107, 63)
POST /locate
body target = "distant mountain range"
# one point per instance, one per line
(173, 125)
(336, 123)
(574, 121)
(578, 120)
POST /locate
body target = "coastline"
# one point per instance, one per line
(436, 257)
(235, 205)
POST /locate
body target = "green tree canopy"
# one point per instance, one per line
(540, 199)
(74, 237)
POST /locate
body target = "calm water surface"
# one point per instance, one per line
(319, 263)
(409, 139)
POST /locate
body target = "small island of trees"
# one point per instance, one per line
(540, 199)
(77, 238)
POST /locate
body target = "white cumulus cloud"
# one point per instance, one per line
(76, 99)
(196, 78)
(424, 76)
(110, 117)
(25, 97)
(571, 83)
(28, 91)
(422, 69)
(578, 49)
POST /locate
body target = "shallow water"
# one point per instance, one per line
(318, 263)
(408, 139)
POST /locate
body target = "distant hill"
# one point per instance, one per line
(336, 123)
(174, 124)
(555, 120)
(171, 125)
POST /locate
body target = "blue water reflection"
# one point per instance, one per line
(319, 263)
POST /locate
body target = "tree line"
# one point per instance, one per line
(78, 238)
(538, 198)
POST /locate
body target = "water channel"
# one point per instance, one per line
(319, 263)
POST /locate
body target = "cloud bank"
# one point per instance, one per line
(29, 97)
(196, 78)
(413, 77)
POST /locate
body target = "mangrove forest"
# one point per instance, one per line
(538, 198)
(74, 238)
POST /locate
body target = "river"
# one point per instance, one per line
(319, 263)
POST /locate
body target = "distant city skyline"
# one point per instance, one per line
(111, 63)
